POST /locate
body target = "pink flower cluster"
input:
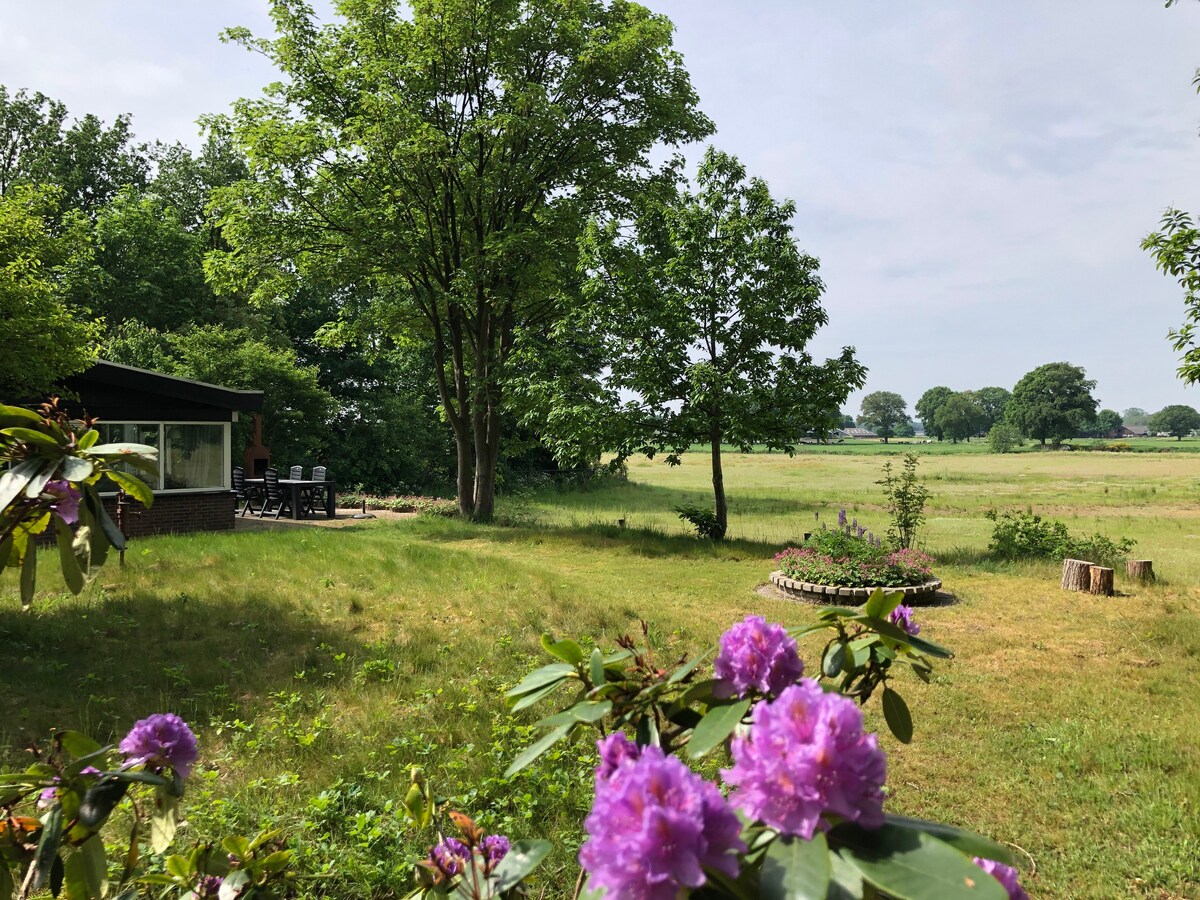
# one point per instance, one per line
(912, 560)
(757, 656)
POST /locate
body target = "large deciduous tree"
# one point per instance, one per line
(706, 306)
(993, 401)
(1053, 402)
(882, 411)
(1108, 421)
(445, 157)
(928, 406)
(1177, 420)
(959, 417)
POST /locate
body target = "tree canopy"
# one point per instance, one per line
(927, 409)
(447, 158)
(1053, 402)
(959, 417)
(705, 307)
(1108, 420)
(882, 411)
(1176, 420)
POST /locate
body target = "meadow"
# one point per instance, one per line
(319, 665)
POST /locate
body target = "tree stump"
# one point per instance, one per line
(1100, 581)
(1140, 570)
(1075, 575)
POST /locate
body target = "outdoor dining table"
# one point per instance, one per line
(297, 486)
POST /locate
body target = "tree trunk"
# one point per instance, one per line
(487, 457)
(466, 475)
(1140, 570)
(1100, 580)
(718, 480)
(1075, 575)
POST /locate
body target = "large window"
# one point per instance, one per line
(191, 456)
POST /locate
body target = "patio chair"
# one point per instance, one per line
(296, 473)
(278, 500)
(246, 493)
(314, 495)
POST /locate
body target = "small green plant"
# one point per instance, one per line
(905, 497)
(703, 520)
(1025, 535)
(1004, 438)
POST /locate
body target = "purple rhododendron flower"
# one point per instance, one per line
(495, 847)
(806, 755)
(655, 826)
(757, 656)
(450, 857)
(209, 886)
(66, 503)
(162, 739)
(1006, 875)
(615, 750)
(50, 794)
(902, 617)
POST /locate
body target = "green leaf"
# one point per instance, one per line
(898, 634)
(566, 650)
(595, 666)
(17, 414)
(909, 864)
(96, 507)
(30, 436)
(836, 612)
(860, 650)
(67, 561)
(586, 711)
(718, 723)
(47, 849)
(133, 486)
(6, 880)
(522, 858)
(76, 468)
(796, 869)
(845, 881)
(163, 821)
(178, 867)
(14, 480)
(95, 866)
(536, 697)
(835, 659)
(28, 575)
(100, 799)
(232, 884)
(536, 749)
(78, 744)
(6, 548)
(968, 842)
(879, 604)
(539, 678)
(687, 668)
(899, 719)
(121, 449)
(88, 439)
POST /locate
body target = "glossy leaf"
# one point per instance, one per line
(522, 858)
(133, 486)
(539, 678)
(796, 869)
(834, 660)
(687, 668)
(968, 842)
(567, 650)
(46, 854)
(879, 604)
(596, 668)
(28, 575)
(6, 880)
(14, 480)
(100, 799)
(31, 436)
(909, 864)
(536, 697)
(78, 744)
(536, 749)
(15, 415)
(76, 468)
(163, 821)
(718, 723)
(232, 885)
(67, 561)
(95, 865)
(899, 719)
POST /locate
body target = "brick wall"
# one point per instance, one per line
(177, 513)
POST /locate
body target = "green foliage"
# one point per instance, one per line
(706, 307)
(1024, 535)
(1004, 438)
(1177, 420)
(904, 496)
(703, 520)
(838, 558)
(1053, 402)
(993, 403)
(1108, 420)
(1135, 416)
(1176, 251)
(882, 411)
(927, 408)
(443, 162)
(43, 339)
(959, 416)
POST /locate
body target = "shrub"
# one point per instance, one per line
(1024, 535)
(906, 497)
(1004, 438)
(851, 556)
(703, 520)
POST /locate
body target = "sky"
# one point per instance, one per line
(975, 177)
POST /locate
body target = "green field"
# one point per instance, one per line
(320, 664)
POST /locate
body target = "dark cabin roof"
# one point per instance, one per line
(119, 393)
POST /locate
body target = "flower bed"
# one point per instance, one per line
(848, 563)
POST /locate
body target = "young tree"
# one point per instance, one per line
(882, 411)
(927, 408)
(1053, 402)
(444, 155)
(707, 307)
(959, 417)
(1108, 421)
(1177, 420)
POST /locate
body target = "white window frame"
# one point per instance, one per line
(227, 440)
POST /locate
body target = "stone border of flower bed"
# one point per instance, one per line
(804, 590)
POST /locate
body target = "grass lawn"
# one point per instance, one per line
(320, 664)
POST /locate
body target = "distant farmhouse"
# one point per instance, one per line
(861, 433)
(1126, 431)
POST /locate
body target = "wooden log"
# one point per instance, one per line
(1075, 575)
(1140, 570)
(1100, 581)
